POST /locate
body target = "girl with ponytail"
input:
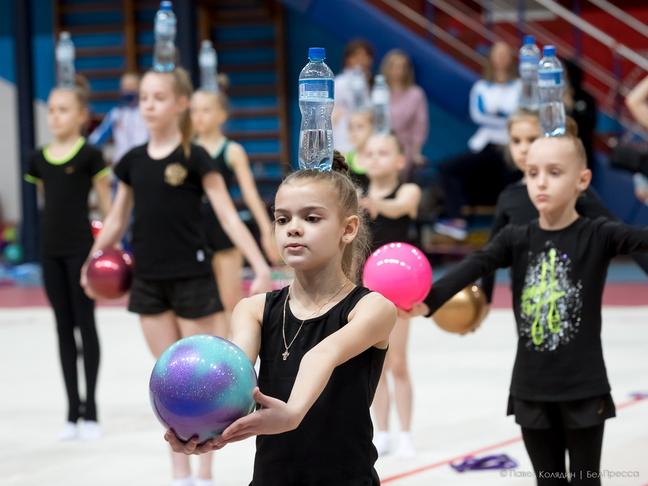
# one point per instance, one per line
(163, 181)
(321, 342)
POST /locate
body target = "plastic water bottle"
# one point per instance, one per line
(380, 102)
(550, 91)
(65, 60)
(164, 53)
(208, 62)
(316, 106)
(529, 59)
(359, 90)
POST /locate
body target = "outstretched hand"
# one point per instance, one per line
(274, 417)
(191, 446)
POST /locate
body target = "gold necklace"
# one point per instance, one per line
(287, 345)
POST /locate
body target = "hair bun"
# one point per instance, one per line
(340, 164)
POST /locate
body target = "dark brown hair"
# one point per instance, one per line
(357, 45)
(339, 178)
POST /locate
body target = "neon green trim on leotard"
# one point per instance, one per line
(103, 172)
(352, 160)
(31, 179)
(75, 150)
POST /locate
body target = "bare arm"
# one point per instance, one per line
(404, 204)
(101, 186)
(240, 163)
(246, 325)
(228, 218)
(370, 324)
(637, 102)
(116, 222)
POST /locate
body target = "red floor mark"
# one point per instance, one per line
(445, 462)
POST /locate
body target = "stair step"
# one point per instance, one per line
(254, 112)
(248, 68)
(243, 44)
(104, 95)
(253, 135)
(102, 51)
(265, 158)
(243, 13)
(252, 90)
(102, 73)
(257, 20)
(90, 7)
(94, 29)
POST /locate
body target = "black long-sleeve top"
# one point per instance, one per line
(558, 279)
(515, 207)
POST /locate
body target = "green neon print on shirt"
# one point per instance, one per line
(536, 297)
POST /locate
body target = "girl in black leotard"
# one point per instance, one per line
(391, 207)
(66, 169)
(321, 342)
(209, 112)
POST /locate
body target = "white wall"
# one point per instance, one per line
(10, 176)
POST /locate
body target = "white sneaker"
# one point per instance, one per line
(90, 430)
(203, 482)
(405, 448)
(381, 442)
(188, 481)
(69, 432)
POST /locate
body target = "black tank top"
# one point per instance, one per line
(388, 230)
(223, 167)
(333, 444)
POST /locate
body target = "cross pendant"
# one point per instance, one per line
(285, 355)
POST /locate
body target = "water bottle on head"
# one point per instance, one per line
(164, 52)
(550, 90)
(528, 68)
(380, 102)
(65, 72)
(208, 62)
(316, 106)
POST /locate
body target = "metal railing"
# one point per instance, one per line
(622, 16)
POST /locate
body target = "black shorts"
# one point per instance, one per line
(573, 414)
(189, 298)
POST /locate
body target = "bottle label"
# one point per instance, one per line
(550, 79)
(316, 88)
(529, 60)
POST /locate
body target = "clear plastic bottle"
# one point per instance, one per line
(65, 61)
(550, 90)
(316, 106)
(208, 67)
(164, 52)
(359, 90)
(528, 68)
(380, 102)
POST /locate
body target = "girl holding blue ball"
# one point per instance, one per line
(321, 342)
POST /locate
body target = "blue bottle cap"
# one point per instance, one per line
(316, 53)
(165, 5)
(528, 39)
(549, 51)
